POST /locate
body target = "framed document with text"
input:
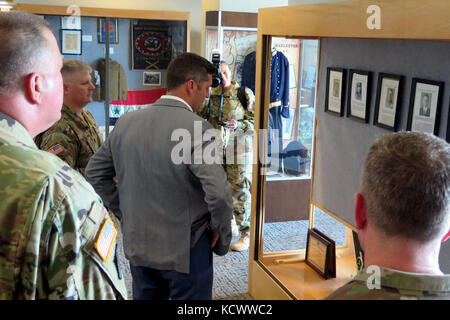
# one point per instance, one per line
(321, 253)
(71, 41)
(425, 106)
(358, 97)
(387, 105)
(334, 98)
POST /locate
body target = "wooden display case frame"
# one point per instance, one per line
(284, 275)
(111, 13)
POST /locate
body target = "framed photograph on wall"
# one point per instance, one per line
(358, 97)
(113, 28)
(387, 105)
(71, 41)
(425, 105)
(334, 97)
(151, 78)
(71, 22)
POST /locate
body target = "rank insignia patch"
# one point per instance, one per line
(56, 149)
(106, 239)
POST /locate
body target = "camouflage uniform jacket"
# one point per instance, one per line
(232, 109)
(72, 139)
(50, 221)
(394, 285)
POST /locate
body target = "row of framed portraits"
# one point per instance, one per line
(424, 106)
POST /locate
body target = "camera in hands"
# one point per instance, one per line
(215, 59)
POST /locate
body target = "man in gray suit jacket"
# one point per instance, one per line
(174, 213)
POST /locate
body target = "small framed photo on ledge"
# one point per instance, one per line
(425, 106)
(334, 97)
(358, 95)
(321, 253)
(71, 41)
(387, 105)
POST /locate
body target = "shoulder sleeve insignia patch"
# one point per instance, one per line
(105, 239)
(56, 149)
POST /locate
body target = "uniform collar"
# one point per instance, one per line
(16, 130)
(405, 280)
(166, 96)
(66, 110)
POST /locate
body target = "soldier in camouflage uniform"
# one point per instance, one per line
(75, 137)
(57, 241)
(235, 123)
(402, 216)
(378, 283)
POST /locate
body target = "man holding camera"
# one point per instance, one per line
(230, 110)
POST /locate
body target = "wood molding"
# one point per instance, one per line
(105, 12)
(400, 19)
(232, 19)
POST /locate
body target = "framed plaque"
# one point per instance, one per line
(359, 252)
(387, 105)
(321, 253)
(358, 97)
(334, 97)
(425, 106)
(71, 41)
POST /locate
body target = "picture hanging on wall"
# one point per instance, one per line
(387, 105)
(151, 78)
(358, 98)
(71, 22)
(71, 41)
(425, 106)
(334, 96)
(151, 46)
(112, 29)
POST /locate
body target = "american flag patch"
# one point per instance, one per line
(106, 239)
(56, 149)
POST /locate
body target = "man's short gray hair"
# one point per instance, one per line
(71, 66)
(406, 185)
(22, 46)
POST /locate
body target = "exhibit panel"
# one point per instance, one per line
(371, 80)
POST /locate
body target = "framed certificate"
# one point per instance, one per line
(358, 97)
(387, 105)
(334, 97)
(425, 106)
(321, 253)
(71, 41)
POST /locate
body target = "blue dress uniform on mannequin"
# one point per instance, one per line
(279, 100)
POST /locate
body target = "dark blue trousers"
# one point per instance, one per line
(153, 284)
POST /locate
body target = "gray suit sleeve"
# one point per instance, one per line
(218, 198)
(100, 174)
